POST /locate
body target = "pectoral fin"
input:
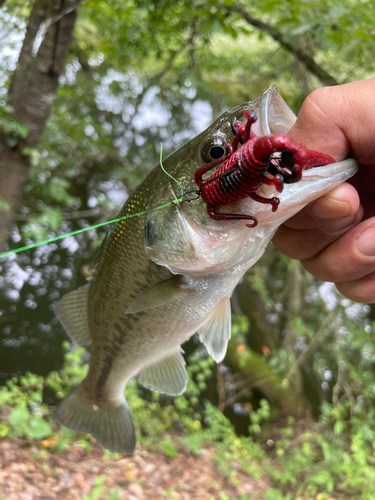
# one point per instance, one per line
(157, 295)
(168, 375)
(215, 332)
(71, 311)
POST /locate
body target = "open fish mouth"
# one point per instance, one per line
(282, 164)
(319, 178)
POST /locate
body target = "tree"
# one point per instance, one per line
(31, 95)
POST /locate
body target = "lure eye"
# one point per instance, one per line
(213, 151)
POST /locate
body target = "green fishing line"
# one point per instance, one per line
(169, 175)
(50, 240)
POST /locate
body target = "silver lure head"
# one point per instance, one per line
(186, 240)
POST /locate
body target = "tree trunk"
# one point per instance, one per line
(261, 376)
(294, 306)
(31, 94)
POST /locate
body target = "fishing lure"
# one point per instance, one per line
(272, 160)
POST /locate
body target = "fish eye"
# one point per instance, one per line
(214, 150)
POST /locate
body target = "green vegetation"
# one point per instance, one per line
(332, 457)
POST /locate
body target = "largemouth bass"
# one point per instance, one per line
(164, 275)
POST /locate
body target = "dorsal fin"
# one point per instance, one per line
(215, 331)
(72, 313)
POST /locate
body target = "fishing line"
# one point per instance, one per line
(169, 175)
(56, 238)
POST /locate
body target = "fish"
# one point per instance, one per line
(166, 274)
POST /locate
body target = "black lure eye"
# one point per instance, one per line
(213, 150)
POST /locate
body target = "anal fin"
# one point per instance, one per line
(72, 313)
(168, 375)
(215, 331)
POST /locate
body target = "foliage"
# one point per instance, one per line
(98, 491)
(305, 459)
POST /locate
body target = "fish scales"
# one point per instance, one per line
(164, 275)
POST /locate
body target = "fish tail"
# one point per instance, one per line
(112, 426)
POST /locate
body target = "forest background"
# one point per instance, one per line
(88, 91)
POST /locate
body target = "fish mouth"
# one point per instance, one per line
(316, 178)
(282, 163)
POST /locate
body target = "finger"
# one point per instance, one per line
(361, 290)
(340, 203)
(336, 120)
(349, 258)
(305, 244)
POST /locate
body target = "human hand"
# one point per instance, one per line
(334, 236)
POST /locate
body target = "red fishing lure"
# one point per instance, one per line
(272, 160)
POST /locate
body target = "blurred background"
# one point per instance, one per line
(88, 90)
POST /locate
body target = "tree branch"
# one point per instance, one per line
(285, 43)
(324, 330)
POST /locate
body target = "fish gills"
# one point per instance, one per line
(112, 426)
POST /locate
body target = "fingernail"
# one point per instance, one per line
(366, 242)
(339, 225)
(329, 208)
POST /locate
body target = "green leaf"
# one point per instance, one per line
(19, 415)
(51, 216)
(114, 494)
(58, 189)
(99, 480)
(39, 428)
(273, 494)
(324, 479)
(169, 449)
(4, 205)
(339, 426)
(4, 429)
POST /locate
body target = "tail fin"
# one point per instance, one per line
(111, 426)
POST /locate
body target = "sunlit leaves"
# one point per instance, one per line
(24, 423)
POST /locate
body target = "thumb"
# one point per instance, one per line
(338, 120)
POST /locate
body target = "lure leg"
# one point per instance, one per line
(243, 130)
(272, 201)
(215, 215)
(251, 118)
(277, 181)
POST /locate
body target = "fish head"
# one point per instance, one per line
(185, 239)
